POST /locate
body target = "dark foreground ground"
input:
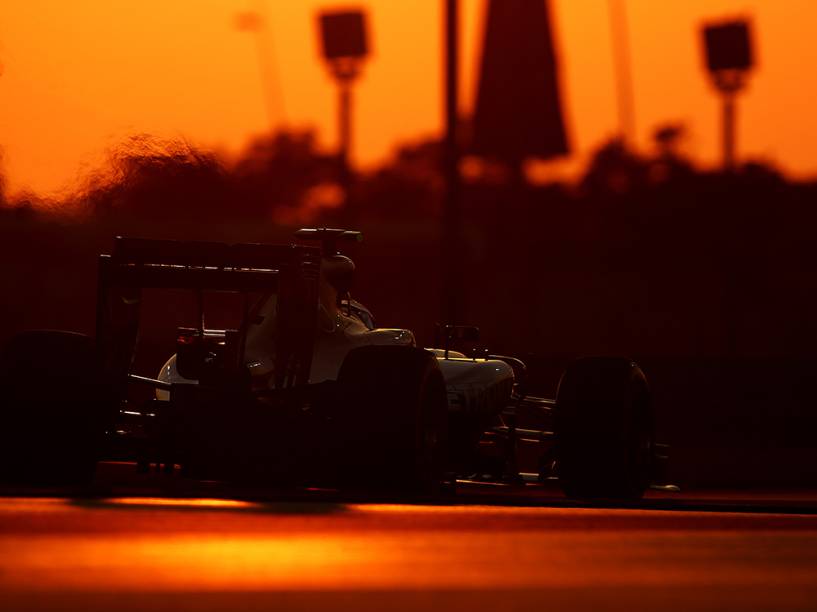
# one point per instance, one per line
(536, 551)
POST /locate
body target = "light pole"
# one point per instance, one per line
(344, 44)
(729, 59)
(624, 79)
(451, 221)
(256, 22)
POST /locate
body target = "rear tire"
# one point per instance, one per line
(54, 407)
(395, 420)
(604, 430)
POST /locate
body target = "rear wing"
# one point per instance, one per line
(291, 272)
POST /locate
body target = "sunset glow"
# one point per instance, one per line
(79, 77)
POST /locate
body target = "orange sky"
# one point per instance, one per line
(78, 76)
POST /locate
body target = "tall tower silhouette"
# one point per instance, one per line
(519, 110)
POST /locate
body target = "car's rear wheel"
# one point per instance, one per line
(395, 420)
(54, 405)
(604, 429)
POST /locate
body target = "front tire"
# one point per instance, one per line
(604, 430)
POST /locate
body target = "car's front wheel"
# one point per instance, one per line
(604, 429)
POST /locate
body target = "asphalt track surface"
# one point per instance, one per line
(532, 550)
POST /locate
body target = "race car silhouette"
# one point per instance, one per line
(305, 390)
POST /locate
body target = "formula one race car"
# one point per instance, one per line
(304, 390)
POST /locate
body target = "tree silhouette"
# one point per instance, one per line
(152, 180)
(278, 171)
